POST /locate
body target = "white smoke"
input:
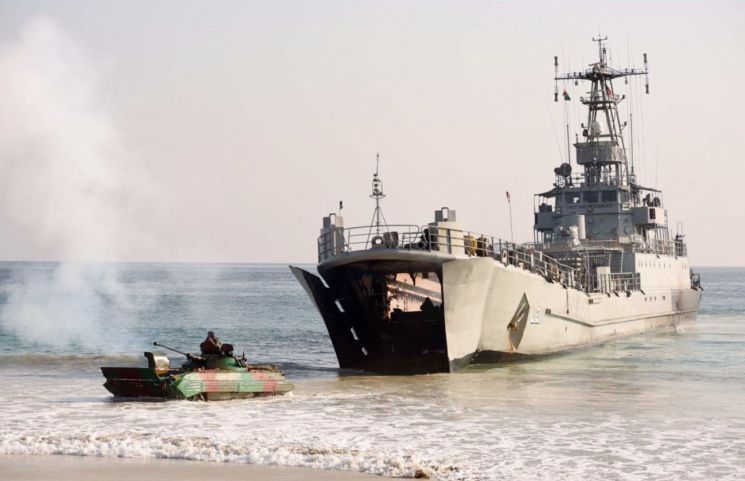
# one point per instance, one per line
(68, 184)
(66, 177)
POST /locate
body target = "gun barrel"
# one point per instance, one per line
(170, 349)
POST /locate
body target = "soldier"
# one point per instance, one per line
(211, 345)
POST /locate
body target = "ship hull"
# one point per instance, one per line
(489, 312)
(497, 313)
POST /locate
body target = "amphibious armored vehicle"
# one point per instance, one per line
(205, 377)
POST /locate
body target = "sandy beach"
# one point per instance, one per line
(84, 468)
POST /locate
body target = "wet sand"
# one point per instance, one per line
(85, 468)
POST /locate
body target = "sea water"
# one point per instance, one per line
(649, 407)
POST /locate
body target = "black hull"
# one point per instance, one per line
(366, 331)
(134, 382)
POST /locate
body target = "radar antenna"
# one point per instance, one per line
(602, 150)
(601, 47)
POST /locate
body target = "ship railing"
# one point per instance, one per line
(564, 243)
(617, 282)
(662, 247)
(590, 180)
(339, 241)
(674, 248)
(392, 236)
(538, 262)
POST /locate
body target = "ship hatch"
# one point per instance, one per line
(396, 312)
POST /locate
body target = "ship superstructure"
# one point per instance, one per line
(410, 298)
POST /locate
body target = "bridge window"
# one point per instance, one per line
(571, 198)
(609, 196)
(590, 196)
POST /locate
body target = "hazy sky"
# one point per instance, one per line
(224, 131)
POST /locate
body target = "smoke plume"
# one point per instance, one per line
(68, 188)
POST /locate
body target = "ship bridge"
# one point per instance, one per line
(602, 202)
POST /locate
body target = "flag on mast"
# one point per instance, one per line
(566, 95)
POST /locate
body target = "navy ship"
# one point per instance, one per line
(437, 297)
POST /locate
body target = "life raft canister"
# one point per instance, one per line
(504, 257)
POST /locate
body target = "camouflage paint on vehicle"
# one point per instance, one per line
(201, 378)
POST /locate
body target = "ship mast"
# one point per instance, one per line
(603, 153)
(377, 195)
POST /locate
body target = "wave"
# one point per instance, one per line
(250, 451)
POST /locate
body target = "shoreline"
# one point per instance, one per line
(54, 467)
